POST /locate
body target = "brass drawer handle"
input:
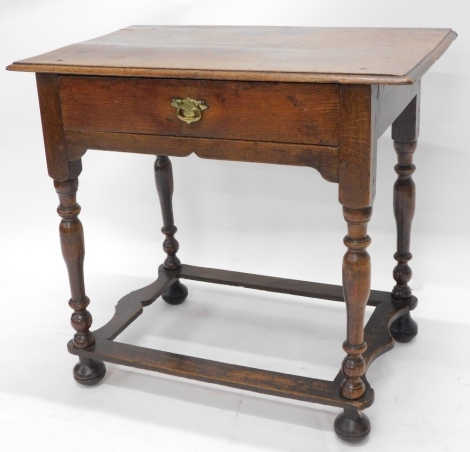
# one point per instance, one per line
(189, 110)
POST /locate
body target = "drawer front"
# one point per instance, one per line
(277, 112)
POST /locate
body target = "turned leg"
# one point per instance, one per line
(87, 371)
(404, 134)
(177, 292)
(353, 425)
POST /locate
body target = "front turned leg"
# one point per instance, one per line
(177, 292)
(352, 425)
(87, 371)
(404, 134)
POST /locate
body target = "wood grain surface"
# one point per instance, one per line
(281, 112)
(327, 55)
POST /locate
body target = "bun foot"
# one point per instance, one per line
(352, 426)
(404, 329)
(176, 293)
(88, 371)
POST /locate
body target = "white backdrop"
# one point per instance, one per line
(264, 219)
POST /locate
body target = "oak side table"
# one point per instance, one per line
(317, 97)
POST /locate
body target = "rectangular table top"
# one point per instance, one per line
(300, 54)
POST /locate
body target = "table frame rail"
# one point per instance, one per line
(246, 378)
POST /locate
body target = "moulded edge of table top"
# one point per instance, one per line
(46, 63)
